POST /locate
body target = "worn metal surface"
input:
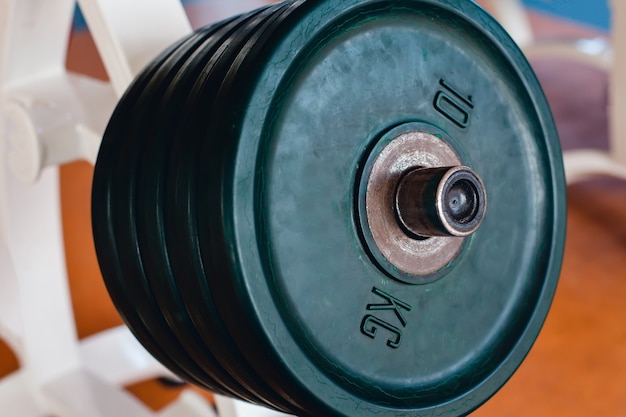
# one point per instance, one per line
(407, 151)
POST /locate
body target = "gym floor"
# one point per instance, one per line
(578, 365)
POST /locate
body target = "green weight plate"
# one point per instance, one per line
(324, 322)
(210, 59)
(180, 216)
(114, 193)
(207, 129)
(155, 139)
(103, 226)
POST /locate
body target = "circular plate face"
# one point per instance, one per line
(339, 334)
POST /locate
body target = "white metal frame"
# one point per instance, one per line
(48, 117)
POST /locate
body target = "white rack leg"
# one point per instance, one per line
(117, 358)
(24, 25)
(48, 117)
(129, 34)
(584, 164)
(617, 114)
(16, 396)
(49, 348)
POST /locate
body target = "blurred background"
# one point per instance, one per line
(578, 365)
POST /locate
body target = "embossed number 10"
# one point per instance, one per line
(453, 105)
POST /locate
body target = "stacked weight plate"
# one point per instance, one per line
(232, 228)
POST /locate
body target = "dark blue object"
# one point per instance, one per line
(593, 13)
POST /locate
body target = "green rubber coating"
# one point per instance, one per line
(156, 141)
(241, 236)
(105, 230)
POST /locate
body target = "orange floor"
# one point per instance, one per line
(578, 365)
